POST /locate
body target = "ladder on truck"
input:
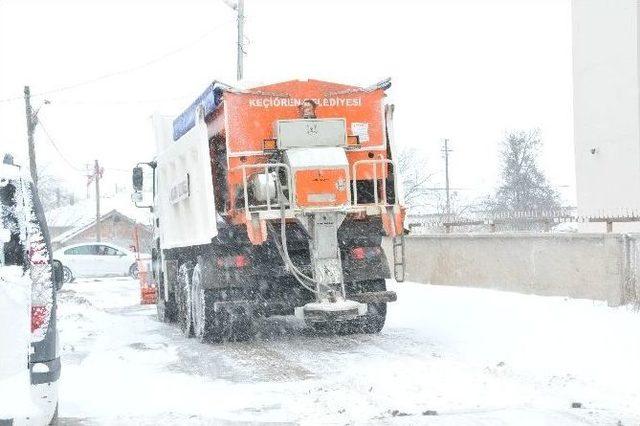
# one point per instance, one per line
(398, 257)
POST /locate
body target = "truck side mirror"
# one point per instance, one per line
(136, 197)
(137, 178)
(58, 274)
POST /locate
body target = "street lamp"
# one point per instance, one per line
(238, 6)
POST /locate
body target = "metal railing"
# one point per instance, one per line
(380, 195)
(374, 165)
(542, 221)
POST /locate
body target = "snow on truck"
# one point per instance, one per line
(274, 201)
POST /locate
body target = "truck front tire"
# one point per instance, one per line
(183, 296)
(166, 308)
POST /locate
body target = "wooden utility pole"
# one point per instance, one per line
(446, 152)
(31, 126)
(96, 176)
(90, 173)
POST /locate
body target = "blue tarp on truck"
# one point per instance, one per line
(209, 100)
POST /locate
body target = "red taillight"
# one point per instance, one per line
(239, 261)
(357, 253)
(361, 253)
(38, 316)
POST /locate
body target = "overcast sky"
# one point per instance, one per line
(463, 70)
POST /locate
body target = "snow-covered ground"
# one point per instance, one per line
(475, 357)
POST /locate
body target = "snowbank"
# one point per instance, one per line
(15, 333)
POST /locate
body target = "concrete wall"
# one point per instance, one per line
(606, 108)
(592, 266)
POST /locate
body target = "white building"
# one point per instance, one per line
(606, 78)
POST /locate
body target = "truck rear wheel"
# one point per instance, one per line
(373, 321)
(214, 326)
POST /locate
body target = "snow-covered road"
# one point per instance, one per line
(475, 357)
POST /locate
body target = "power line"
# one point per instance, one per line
(137, 67)
(15, 98)
(120, 103)
(125, 70)
(44, 129)
(66, 160)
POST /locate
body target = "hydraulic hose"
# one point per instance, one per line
(284, 251)
(294, 270)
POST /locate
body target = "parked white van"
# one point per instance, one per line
(29, 280)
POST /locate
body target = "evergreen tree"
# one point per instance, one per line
(524, 186)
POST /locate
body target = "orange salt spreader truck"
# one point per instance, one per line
(274, 201)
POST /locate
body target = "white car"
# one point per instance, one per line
(97, 260)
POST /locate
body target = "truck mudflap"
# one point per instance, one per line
(375, 267)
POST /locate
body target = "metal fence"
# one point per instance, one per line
(529, 221)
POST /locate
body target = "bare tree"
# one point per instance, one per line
(524, 186)
(52, 191)
(458, 206)
(414, 178)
